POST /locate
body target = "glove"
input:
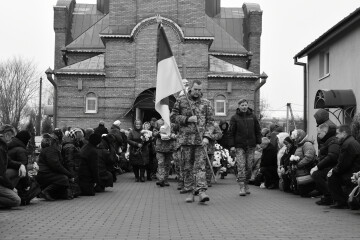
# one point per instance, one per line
(314, 169)
(22, 171)
(329, 173)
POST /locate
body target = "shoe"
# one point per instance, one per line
(160, 183)
(222, 177)
(203, 197)
(272, 186)
(149, 179)
(183, 191)
(142, 179)
(166, 184)
(45, 194)
(179, 188)
(339, 206)
(247, 189)
(242, 189)
(324, 202)
(190, 198)
(209, 185)
(315, 193)
(262, 185)
(137, 179)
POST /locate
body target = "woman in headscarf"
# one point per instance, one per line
(139, 152)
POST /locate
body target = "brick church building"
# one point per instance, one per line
(105, 56)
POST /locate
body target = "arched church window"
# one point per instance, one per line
(220, 105)
(91, 103)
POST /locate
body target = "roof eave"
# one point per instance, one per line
(87, 73)
(232, 75)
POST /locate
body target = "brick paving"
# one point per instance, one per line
(145, 211)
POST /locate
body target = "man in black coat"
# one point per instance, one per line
(8, 198)
(328, 155)
(89, 168)
(348, 163)
(101, 129)
(268, 164)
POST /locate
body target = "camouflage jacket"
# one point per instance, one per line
(163, 145)
(181, 111)
(215, 135)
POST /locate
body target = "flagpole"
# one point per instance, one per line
(159, 21)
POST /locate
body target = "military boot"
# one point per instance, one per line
(190, 198)
(203, 197)
(242, 189)
(247, 189)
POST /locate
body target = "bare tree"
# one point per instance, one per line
(264, 106)
(18, 84)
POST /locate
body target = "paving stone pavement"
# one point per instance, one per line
(132, 210)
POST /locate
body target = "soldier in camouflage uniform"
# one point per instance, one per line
(214, 136)
(193, 142)
(164, 150)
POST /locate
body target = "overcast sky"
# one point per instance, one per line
(288, 27)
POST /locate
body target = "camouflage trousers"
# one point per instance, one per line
(194, 168)
(164, 162)
(179, 167)
(208, 168)
(245, 161)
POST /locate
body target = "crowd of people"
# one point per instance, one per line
(75, 161)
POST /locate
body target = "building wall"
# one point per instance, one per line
(344, 72)
(241, 88)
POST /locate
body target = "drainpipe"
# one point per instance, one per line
(263, 78)
(49, 72)
(305, 91)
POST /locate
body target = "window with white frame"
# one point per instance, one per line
(220, 105)
(324, 64)
(91, 103)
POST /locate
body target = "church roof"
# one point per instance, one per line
(90, 39)
(223, 42)
(91, 66)
(231, 19)
(83, 17)
(220, 68)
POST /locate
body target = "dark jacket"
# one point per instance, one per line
(119, 141)
(17, 151)
(104, 162)
(137, 156)
(329, 151)
(245, 129)
(71, 156)
(100, 130)
(4, 181)
(89, 167)
(50, 162)
(285, 159)
(226, 140)
(349, 158)
(269, 157)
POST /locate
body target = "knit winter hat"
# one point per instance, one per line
(94, 139)
(102, 123)
(321, 116)
(58, 133)
(117, 123)
(24, 136)
(288, 139)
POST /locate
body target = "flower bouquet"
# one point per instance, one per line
(222, 160)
